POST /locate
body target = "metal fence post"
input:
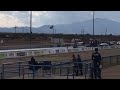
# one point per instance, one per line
(19, 63)
(1, 75)
(85, 70)
(110, 60)
(73, 72)
(33, 71)
(90, 70)
(23, 72)
(60, 68)
(67, 72)
(102, 61)
(117, 60)
(3, 71)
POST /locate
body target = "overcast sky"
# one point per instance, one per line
(21, 18)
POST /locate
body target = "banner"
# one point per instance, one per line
(3, 55)
(29, 53)
(37, 53)
(11, 54)
(21, 54)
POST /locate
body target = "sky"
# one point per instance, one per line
(40, 18)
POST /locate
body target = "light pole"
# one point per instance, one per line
(93, 31)
(30, 26)
(52, 27)
(15, 29)
(93, 26)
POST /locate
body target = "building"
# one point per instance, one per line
(57, 40)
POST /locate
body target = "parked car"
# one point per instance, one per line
(103, 44)
(118, 43)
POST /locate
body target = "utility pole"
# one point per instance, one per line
(106, 32)
(93, 26)
(15, 29)
(82, 32)
(30, 27)
(106, 35)
(93, 31)
(52, 27)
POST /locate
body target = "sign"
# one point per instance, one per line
(37, 53)
(11, 54)
(41, 52)
(57, 51)
(69, 50)
(3, 55)
(21, 54)
(29, 53)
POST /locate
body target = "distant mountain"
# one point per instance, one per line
(101, 25)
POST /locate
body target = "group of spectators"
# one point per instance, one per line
(78, 65)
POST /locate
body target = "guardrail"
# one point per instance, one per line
(46, 51)
(18, 69)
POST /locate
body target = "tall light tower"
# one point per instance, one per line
(93, 26)
(52, 27)
(93, 14)
(30, 27)
(15, 29)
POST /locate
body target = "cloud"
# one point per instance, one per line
(19, 18)
(39, 13)
(9, 21)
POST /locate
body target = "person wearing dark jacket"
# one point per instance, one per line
(33, 62)
(80, 65)
(96, 57)
(75, 65)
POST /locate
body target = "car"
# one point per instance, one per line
(118, 43)
(80, 43)
(103, 44)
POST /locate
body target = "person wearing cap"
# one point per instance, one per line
(96, 58)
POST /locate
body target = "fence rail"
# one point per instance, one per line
(19, 69)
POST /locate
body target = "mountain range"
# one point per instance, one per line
(101, 26)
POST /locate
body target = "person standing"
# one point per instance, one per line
(79, 65)
(75, 67)
(96, 59)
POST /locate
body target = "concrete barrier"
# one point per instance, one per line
(46, 51)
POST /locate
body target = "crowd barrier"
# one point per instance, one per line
(20, 69)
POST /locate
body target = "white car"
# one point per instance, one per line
(118, 43)
(104, 44)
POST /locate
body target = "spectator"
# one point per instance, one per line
(33, 62)
(96, 57)
(80, 65)
(75, 65)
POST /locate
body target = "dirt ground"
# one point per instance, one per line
(85, 55)
(111, 73)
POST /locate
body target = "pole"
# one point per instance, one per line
(93, 25)
(15, 29)
(106, 35)
(30, 26)
(93, 31)
(53, 34)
